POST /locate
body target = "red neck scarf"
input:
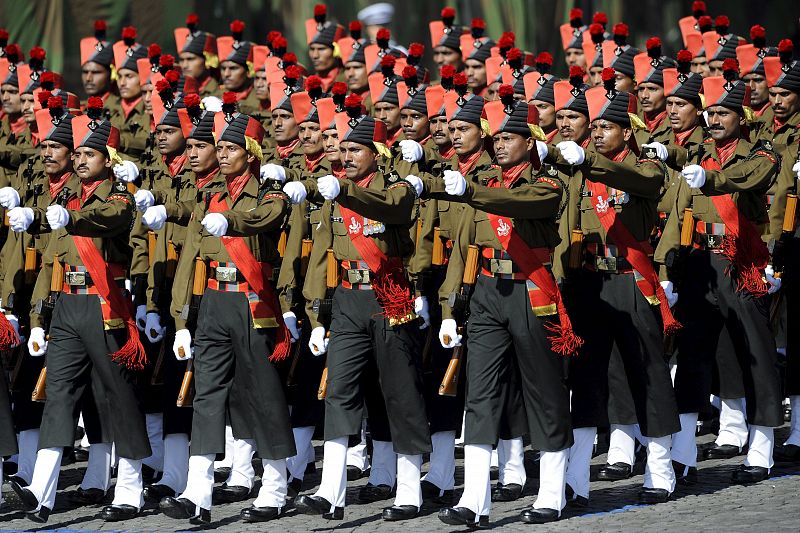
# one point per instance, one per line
(338, 170)
(236, 184)
(423, 141)
(311, 163)
(87, 189)
(550, 136)
(175, 163)
(654, 123)
(34, 138)
(18, 126)
(448, 152)
(510, 175)
(366, 180)
(201, 180)
(726, 149)
(203, 84)
(682, 136)
(621, 155)
(585, 143)
(128, 106)
(391, 140)
(329, 78)
(58, 184)
(760, 112)
(465, 165)
(286, 149)
(241, 95)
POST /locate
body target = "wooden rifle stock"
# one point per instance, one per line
(185, 393)
(437, 255)
(687, 227)
(323, 385)
(39, 393)
(575, 249)
(790, 215)
(282, 242)
(305, 254)
(31, 263)
(200, 277)
(172, 260)
(151, 247)
(331, 281)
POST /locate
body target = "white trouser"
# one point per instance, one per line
(622, 444)
(476, 496)
(552, 476)
(128, 490)
(85, 440)
(511, 461)
(228, 459)
(684, 444)
(242, 472)
(384, 463)
(580, 455)
(45, 476)
(409, 469)
(732, 423)
(658, 473)
(297, 463)
(762, 440)
(155, 434)
(28, 443)
(442, 468)
(273, 484)
(200, 482)
(176, 461)
(98, 467)
(357, 455)
(794, 436)
(333, 484)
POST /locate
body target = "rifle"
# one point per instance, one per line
(151, 247)
(323, 309)
(787, 234)
(187, 391)
(437, 255)
(458, 302)
(575, 249)
(198, 288)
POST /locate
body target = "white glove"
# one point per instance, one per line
(329, 187)
(143, 199)
(14, 321)
(449, 329)
(774, 283)
(571, 152)
(215, 223)
(541, 149)
(212, 103)
(454, 183)
(20, 218)
(421, 309)
(9, 197)
(57, 217)
(153, 328)
(290, 319)
(37, 338)
(273, 172)
(415, 182)
(154, 217)
(796, 169)
(141, 317)
(412, 150)
(183, 339)
(661, 150)
(126, 171)
(318, 343)
(694, 175)
(672, 296)
(296, 191)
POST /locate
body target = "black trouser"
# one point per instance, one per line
(732, 328)
(176, 419)
(80, 347)
(8, 438)
(501, 315)
(608, 311)
(359, 333)
(791, 297)
(303, 383)
(27, 413)
(230, 352)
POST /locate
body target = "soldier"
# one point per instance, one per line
(475, 50)
(322, 36)
(649, 67)
(235, 55)
(287, 152)
(97, 58)
(537, 87)
(197, 54)
(719, 44)
(593, 53)
(784, 97)
(618, 54)
(14, 134)
(572, 37)
(751, 69)
(132, 122)
(446, 40)
(355, 64)
(383, 93)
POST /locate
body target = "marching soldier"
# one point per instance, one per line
(649, 68)
(97, 59)
(234, 56)
(287, 151)
(197, 54)
(476, 48)
(322, 36)
(132, 121)
(15, 136)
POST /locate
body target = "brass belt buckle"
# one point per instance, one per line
(606, 264)
(226, 274)
(75, 279)
(356, 276)
(501, 266)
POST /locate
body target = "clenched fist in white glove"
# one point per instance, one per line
(660, 149)
(454, 183)
(412, 150)
(541, 150)
(774, 283)
(215, 223)
(155, 217)
(796, 169)
(449, 329)
(143, 199)
(212, 103)
(290, 319)
(571, 152)
(694, 175)
(329, 187)
(141, 317)
(296, 191)
(273, 172)
(669, 290)
(57, 217)
(126, 171)
(415, 182)
(182, 347)
(9, 197)
(318, 343)
(153, 328)
(20, 218)
(37, 344)
(421, 309)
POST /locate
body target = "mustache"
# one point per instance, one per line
(348, 164)
(716, 128)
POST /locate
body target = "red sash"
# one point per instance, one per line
(564, 341)
(254, 275)
(632, 250)
(132, 353)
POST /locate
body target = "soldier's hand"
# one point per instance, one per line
(329, 187)
(421, 309)
(9, 198)
(454, 183)
(669, 290)
(154, 217)
(20, 218)
(415, 182)
(774, 282)
(215, 223)
(141, 317)
(542, 151)
(412, 151)
(571, 152)
(37, 344)
(153, 328)
(796, 169)
(448, 334)
(694, 175)
(318, 343)
(290, 319)
(212, 103)
(273, 172)
(126, 171)
(296, 191)
(182, 347)
(143, 199)
(660, 149)
(57, 217)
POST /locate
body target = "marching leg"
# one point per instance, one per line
(580, 455)
(272, 496)
(758, 462)
(409, 493)
(128, 497)
(26, 460)
(621, 453)
(659, 476)
(443, 463)
(475, 502)
(552, 477)
(684, 450)
(733, 433)
(329, 499)
(511, 463)
(195, 502)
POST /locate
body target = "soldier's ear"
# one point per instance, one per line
(108, 162)
(626, 134)
(530, 143)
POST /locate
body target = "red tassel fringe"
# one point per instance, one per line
(283, 343)
(132, 353)
(8, 336)
(747, 263)
(563, 341)
(393, 292)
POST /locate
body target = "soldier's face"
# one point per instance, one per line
(467, 138)
(439, 132)
(759, 90)
(330, 143)
(785, 103)
(547, 114)
(96, 79)
(682, 114)
(651, 97)
(715, 67)
(192, 65)
(202, 156)
(147, 97)
(511, 149)
(595, 76)
(55, 157)
(169, 140)
(310, 138)
(389, 114)
(358, 160)
(233, 159)
(284, 125)
(90, 164)
(608, 137)
(10, 98)
(26, 104)
(575, 56)
(476, 74)
(355, 75)
(321, 56)
(443, 55)
(723, 123)
(260, 86)
(233, 76)
(700, 66)
(623, 82)
(128, 84)
(415, 124)
(491, 92)
(572, 126)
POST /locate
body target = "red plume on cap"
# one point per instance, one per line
(339, 88)
(684, 58)
(320, 13)
(600, 18)
(38, 53)
(448, 15)
(514, 58)
(785, 51)
(53, 102)
(382, 38)
(94, 107)
(698, 9)
(410, 75)
(576, 17)
(705, 23)
(237, 28)
(313, 82)
(621, 33)
(730, 69)
(722, 24)
(192, 20)
(355, 30)
(289, 59)
(279, 45)
(758, 35)
(505, 44)
(460, 83)
(47, 81)
(13, 53)
(576, 75)
(129, 35)
(229, 98)
(544, 62)
(191, 100)
(43, 97)
(271, 37)
(387, 65)
(609, 78)
(100, 30)
(292, 72)
(596, 31)
(154, 50)
(167, 60)
(477, 28)
(173, 77)
(415, 52)
(352, 104)
(163, 85)
(653, 46)
(446, 74)
(506, 94)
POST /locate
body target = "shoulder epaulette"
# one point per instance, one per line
(764, 148)
(401, 183)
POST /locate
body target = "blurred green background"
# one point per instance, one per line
(57, 25)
